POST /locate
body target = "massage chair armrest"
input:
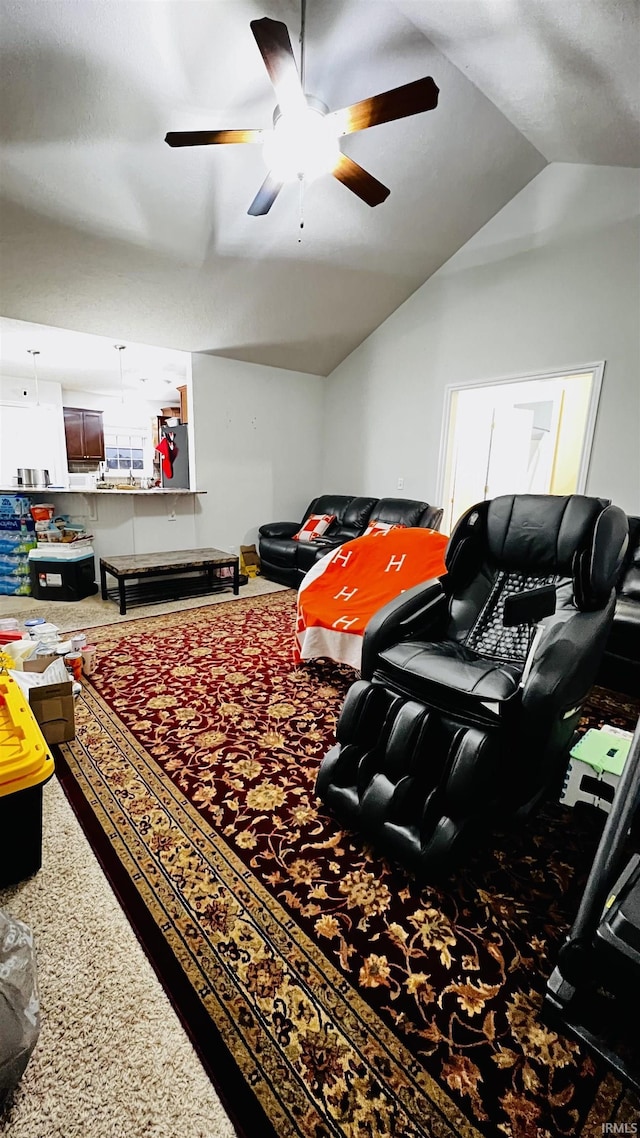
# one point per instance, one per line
(418, 612)
(568, 636)
(279, 529)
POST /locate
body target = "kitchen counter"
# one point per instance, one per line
(158, 491)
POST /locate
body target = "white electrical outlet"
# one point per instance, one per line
(401, 484)
(172, 516)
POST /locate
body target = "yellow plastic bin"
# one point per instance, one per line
(25, 765)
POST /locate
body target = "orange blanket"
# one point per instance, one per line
(340, 594)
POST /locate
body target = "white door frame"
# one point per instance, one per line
(597, 370)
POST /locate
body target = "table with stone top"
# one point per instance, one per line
(168, 576)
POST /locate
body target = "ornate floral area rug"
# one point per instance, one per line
(328, 992)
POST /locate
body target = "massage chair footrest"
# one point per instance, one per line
(412, 779)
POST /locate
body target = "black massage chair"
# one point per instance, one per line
(473, 684)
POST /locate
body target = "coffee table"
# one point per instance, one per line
(186, 573)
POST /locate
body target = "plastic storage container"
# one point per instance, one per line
(25, 766)
(33, 623)
(62, 579)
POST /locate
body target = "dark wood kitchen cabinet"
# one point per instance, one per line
(84, 433)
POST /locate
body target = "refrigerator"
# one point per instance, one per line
(174, 458)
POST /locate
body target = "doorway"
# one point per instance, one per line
(529, 435)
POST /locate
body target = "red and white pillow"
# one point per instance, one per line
(376, 528)
(315, 526)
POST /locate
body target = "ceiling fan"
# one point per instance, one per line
(304, 139)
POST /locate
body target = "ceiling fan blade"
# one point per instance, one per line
(265, 196)
(359, 181)
(272, 38)
(211, 137)
(399, 103)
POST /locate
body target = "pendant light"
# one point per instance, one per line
(120, 349)
(33, 352)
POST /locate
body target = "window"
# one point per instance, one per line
(128, 452)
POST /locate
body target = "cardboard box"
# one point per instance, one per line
(52, 704)
(249, 560)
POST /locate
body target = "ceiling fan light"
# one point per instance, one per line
(302, 144)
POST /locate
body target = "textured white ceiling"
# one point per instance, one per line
(107, 230)
(565, 72)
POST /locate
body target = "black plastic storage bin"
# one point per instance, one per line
(61, 580)
(25, 765)
(20, 835)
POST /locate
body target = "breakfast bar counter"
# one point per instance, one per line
(157, 491)
(128, 521)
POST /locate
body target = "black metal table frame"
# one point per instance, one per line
(177, 571)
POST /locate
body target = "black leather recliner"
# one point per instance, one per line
(285, 560)
(472, 685)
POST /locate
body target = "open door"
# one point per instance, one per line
(528, 436)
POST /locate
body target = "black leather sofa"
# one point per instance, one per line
(284, 560)
(620, 668)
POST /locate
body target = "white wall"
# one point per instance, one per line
(258, 439)
(552, 281)
(31, 432)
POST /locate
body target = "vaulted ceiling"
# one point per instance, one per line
(105, 229)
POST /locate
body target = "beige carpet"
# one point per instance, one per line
(112, 1060)
(93, 611)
